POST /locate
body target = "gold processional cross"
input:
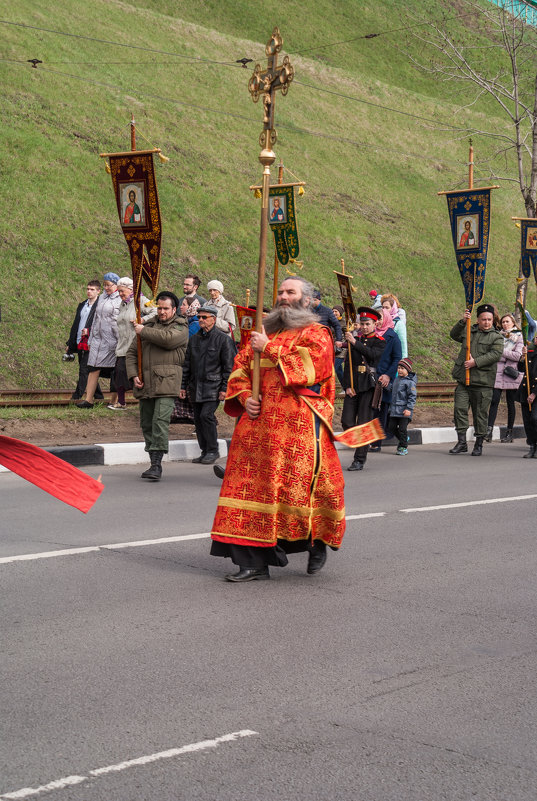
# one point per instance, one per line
(267, 83)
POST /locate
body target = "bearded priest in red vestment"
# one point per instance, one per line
(283, 484)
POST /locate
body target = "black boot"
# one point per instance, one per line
(531, 453)
(488, 436)
(461, 446)
(478, 447)
(155, 471)
(508, 436)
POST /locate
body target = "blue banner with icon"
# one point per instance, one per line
(469, 215)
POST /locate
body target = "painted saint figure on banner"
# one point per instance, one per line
(277, 210)
(467, 238)
(531, 241)
(132, 203)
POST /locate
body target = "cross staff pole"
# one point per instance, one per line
(266, 83)
(469, 320)
(137, 297)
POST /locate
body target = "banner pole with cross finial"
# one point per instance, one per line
(266, 83)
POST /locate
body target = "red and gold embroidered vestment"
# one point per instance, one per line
(283, 478)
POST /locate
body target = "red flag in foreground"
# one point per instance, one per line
(58, 478)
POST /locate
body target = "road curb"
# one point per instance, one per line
(184, 450)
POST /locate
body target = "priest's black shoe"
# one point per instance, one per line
(249, 574)
(356, 466)
(219, 470)
(316, 559)
(198, 459)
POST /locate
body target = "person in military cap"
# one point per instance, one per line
(365, 352)
(486, 348)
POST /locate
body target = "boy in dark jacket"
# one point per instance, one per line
(402, 403)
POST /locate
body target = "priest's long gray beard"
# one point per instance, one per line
(285, 317)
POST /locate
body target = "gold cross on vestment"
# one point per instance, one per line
(267, 82)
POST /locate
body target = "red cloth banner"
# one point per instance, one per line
(246, 318)
(53, 475)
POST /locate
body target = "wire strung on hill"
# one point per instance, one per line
(327, 46)
(437, 123)
(120, 44)
(378, 33)
(235, 115)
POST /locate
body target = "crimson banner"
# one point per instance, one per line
(135, 187)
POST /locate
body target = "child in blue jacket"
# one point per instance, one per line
(402, 404)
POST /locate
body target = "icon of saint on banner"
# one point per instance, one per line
(468, 231)
(277, 209)
(133, 204)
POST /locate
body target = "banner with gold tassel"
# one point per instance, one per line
(135, 188)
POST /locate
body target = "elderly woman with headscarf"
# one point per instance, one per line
(386, 368)
(226, 316)
(126, 317)
(398, 315)
(103, 339)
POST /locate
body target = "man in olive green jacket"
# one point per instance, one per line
(164, 342)
(486, 348)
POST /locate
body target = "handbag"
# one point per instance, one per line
(510, 372)
(372, 376)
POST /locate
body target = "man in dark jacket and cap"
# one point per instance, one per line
(486, 349)
(208, 365)
(164, 339)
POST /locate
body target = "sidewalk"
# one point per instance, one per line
(184, 450)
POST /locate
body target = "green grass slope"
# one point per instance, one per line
(372, 175)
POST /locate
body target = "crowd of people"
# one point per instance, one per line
(180, 369)
(282, 489)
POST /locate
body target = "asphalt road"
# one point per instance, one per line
(405, 670)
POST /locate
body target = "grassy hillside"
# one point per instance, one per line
(372, 174)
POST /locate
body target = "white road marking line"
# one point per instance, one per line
(361, 517)
(27, 557)
(469, 503)
(67, 781)
(4, 560)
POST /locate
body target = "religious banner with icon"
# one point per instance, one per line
(282, 220)
(345, 289)
(246, 320)
(528, 245)
(133, 178)
(469, 214)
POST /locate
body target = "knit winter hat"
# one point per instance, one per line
(112, 277)
(125, 282)
(406, 363)
(373, 293)
(218, 285)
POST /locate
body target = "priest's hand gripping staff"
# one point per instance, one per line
(267, 83)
